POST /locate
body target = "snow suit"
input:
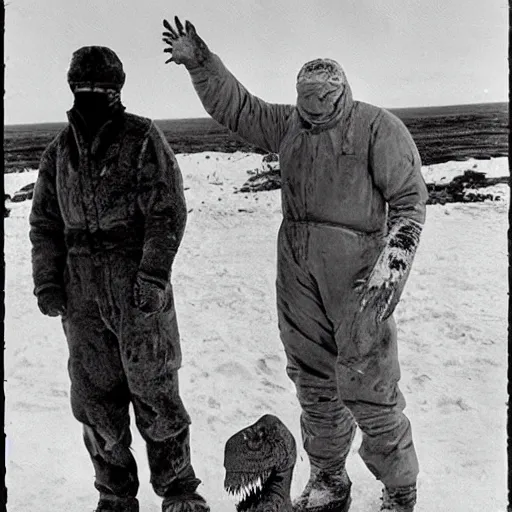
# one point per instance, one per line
(346, 172)
(105, 211)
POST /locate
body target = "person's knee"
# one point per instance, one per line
(377, 421)
(107, 409)
(159, 411)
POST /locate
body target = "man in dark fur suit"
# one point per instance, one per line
(107, 219)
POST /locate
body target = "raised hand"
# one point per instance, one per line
(184, 45)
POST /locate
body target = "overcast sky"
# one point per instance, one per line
(396, 53)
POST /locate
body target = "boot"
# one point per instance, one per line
(185, 502)
(399, 499)
(115, 504)
(181, 495)
(325, 492)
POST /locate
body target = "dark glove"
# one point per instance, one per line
(52, 302)
(185, 46)
(382, 289)
(148, 295)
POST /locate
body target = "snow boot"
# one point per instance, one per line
(185, 502)
(325, 492)
(115, 504)
(399, 499)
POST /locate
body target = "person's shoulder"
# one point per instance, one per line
(59, 141)
(371, 112)
(137, 124)
(381, 117)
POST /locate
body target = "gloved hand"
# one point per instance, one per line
(185, 46)
(52, 302)
(148, 295)
(382, 289)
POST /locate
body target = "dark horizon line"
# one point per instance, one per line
(208, 117)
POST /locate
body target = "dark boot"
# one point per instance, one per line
(325, 492)
(181, 496)
(399, 499)
(115, 504)
(185, 502)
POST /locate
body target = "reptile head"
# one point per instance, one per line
(259, 462)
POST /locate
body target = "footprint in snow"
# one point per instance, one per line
(263, 367)
(233, 370)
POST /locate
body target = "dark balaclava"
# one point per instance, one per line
(323, 93)
(96, 77)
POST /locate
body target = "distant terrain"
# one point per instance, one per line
(441, 133)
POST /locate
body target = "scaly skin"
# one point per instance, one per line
(259, 462)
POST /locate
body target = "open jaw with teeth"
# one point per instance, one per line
(259, 462)
(249, 489)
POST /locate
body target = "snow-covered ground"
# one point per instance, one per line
(452, 341)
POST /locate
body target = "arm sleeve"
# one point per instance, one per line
(232, 105)
(161, 200)
(47, 228)
(396, 168)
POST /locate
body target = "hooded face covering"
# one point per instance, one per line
(96, 77)
(94, 107)
(323, 93)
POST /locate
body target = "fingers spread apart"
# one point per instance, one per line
(179, 26)
(171, 33)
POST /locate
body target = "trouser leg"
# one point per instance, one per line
(151, 353)
(368, 369)
(387, 448)
(100, 400)
(375, 400)
(169, 454)
(327, 425)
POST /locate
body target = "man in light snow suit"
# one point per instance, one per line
(353, 209)
(107, 219)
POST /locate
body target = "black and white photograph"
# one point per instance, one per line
(256, 255)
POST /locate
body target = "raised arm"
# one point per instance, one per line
(223, 96)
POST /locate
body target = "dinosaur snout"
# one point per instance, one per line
(254, 438)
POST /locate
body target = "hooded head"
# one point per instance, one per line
(95, 68)
(323, 93)
(96, 77)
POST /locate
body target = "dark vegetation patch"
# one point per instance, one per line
(441, 134)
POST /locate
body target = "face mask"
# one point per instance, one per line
(94, 107)
(320, 87)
